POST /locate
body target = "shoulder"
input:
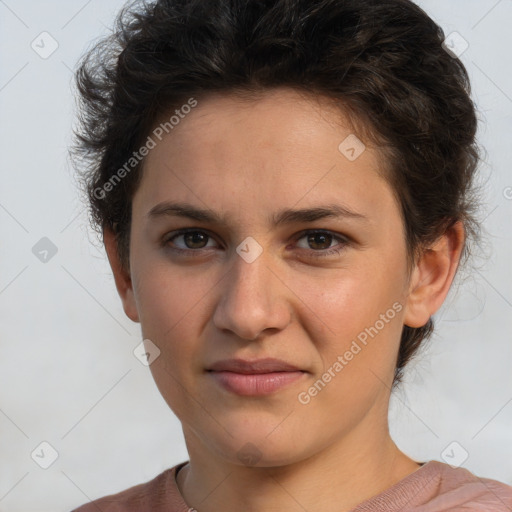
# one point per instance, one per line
(159, 494)
(461, 489)
(439, 487)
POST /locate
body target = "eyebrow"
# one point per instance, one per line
(286, 216)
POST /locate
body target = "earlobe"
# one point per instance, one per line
(121, 276)
(433, 275)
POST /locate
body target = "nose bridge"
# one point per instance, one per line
(248, 282)
(251, 299)
(251, 276)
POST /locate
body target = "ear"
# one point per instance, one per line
(433, 275)
(121, 276)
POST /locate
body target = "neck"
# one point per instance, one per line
(335, 480)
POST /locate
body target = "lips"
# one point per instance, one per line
(253, 378)
(268, 365)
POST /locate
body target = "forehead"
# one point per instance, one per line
(280, 147)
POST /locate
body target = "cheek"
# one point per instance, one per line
(355, 314)
(170, 308)
(163, 290)
(347, 301)
(169, 301)
(358, 348)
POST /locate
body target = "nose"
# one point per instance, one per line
(252, 299)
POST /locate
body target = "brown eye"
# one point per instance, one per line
(188, 240)
(320, 243)
(195, 239)
(319, 240)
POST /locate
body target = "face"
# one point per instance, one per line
(301, 258)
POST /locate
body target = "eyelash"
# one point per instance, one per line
(320, 253)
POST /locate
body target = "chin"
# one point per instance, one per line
(255, 448)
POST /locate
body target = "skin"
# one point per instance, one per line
(246, 160)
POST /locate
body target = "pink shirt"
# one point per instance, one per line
(434, 487)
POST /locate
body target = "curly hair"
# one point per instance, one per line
(381, 61)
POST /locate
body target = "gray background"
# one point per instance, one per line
(68, 374)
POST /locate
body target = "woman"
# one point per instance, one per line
(285, 192)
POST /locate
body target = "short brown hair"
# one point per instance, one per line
(381, 60)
